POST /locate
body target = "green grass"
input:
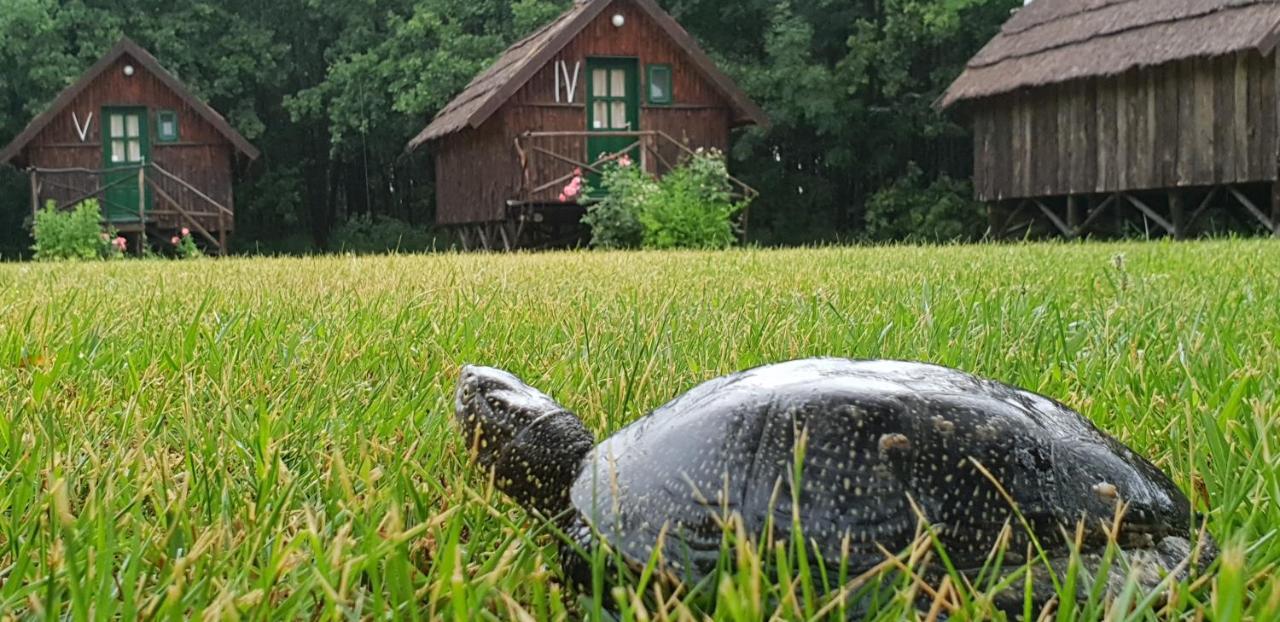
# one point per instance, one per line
(274, 438)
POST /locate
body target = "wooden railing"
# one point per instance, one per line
(81, 184)
(534, 155)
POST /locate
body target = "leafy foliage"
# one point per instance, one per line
(367, 234)
(72, 234)
(332, 91)
(693, 207)
(184, 246)
(613, 211)
(912, 208)
(690, 207)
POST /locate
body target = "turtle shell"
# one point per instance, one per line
(873, 445)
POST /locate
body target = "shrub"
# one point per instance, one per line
(691, 207)
(910, 210)
(366, 234)
(184, 246)
(73, 234)
(614, 218)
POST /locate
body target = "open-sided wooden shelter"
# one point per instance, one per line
(607, 77)
(1086, 112)
(128, 133)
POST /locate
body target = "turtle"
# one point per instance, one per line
(861, 452)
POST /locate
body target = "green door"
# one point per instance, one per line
(125, 146)
(613, 105)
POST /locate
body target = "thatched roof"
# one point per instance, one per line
(1054, 41)
(494, 86)
(126, 47)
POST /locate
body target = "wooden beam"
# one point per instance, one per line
(1007, 228)
(191, 221)
(1178, 210)
(1204, 206)
(1053, 218)
(193, 189)
(506, 241)
(89, 195)
(1073, 214)
(1150, 213)
(1253, 209)
(1096, 213)
(567, 160)
(142, 209)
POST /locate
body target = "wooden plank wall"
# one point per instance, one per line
(202, 156)
(1197, 123)
(482, 166)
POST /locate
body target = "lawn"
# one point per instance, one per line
(274, 438)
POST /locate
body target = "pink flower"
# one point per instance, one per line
(176, 241)
(577, 172)
(624, 161)
(121, 243)
(563, 198)
(185, 232)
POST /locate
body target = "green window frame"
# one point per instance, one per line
(659, 85)
(167, 126)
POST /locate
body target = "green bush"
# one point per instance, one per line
(73, 234)
(691, 207)
(614, 218)
(366, 235)
(910, 210)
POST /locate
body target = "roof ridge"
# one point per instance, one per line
(126, 46)
(1104, 34)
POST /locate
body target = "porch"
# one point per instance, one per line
(137, 199)
(549, 160)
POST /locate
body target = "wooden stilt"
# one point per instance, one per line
(484, 236)
(35, 195)
(1178, 211)
(222, 234)
(1073, 215)
(1118, 214)
(994, 221)
(1275, 209)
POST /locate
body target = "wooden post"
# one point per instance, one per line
(994, 221)
(1073, 215)
(1178, 209)
(1275, 209)
(1118, 215)
(142, 210)
(222, 233)
(35, 195)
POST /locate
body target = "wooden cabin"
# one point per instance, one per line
(606, 78)
(128, 133)
(1093, 115)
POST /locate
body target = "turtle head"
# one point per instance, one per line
(1097, 479)
(533, 446)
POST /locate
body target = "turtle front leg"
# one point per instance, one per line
(576, 549)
